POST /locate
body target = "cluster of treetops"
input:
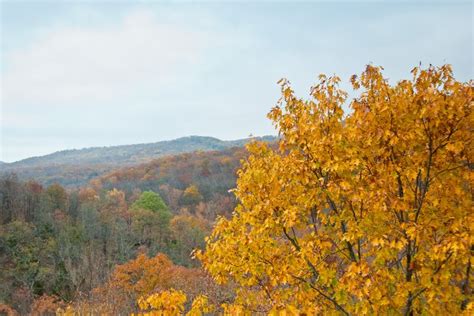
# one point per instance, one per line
(360, 212)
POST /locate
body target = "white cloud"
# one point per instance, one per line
(86, 66)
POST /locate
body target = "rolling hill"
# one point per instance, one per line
(76, 167)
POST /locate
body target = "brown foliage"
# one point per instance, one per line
(46, 305)
(7, 310)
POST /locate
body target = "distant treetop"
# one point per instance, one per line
(151, 201)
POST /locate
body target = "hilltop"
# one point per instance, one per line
(76, 167)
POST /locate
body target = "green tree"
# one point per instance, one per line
(152, 201)
(27, 262)
(150, 221)
(56, 197)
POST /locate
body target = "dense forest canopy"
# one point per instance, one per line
(364, 212)
(64, 245)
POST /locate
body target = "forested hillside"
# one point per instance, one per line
(196, 182)
(64, 245)
(73, 168)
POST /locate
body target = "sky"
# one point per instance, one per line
(78, 74)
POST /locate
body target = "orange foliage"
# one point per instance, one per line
(46, 304)
(142, 275)
(7, 310)
(88, 194)
(145, 276)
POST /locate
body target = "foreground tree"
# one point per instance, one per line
(369, 213)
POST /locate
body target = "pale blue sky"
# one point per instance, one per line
(80, 74)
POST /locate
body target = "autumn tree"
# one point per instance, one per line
(7, 310)
(132, 283)
(46, 305)
(188, 234)
(56, 197)
(171, 302)
(368, 212)
(191, 195)
(18, 200)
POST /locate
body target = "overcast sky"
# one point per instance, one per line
(82, 74)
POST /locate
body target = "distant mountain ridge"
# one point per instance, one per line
(77, 166)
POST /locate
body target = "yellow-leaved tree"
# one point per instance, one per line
(368, 212)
